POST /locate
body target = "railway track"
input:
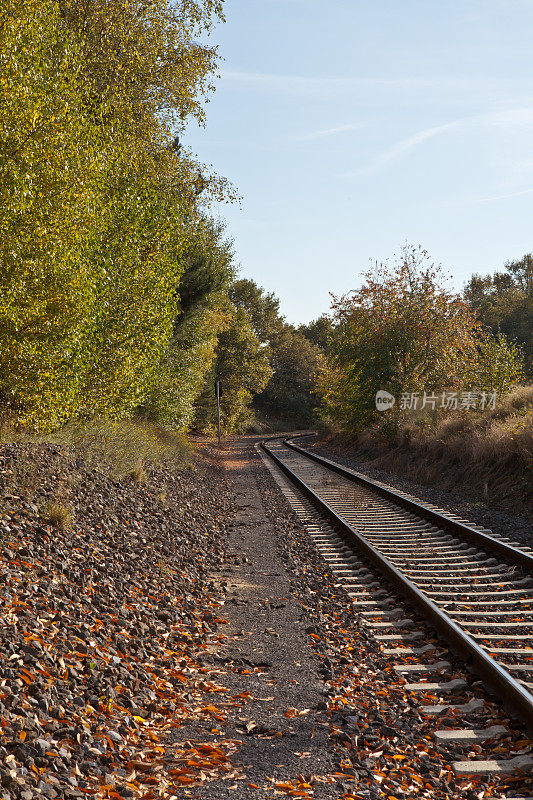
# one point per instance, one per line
(473, 587)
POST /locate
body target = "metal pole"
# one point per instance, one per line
(218, 408)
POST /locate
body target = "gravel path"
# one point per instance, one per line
(266, 655)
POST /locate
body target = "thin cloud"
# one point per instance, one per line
(309, 137)
(494, 197)
(404, 146)
(519, 117)
(299, 84)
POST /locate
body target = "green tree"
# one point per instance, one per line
(504, 302)
(243, 369)
(51, 163)
(498, 366)
(289, 396)
(318, 331)
(97, 206)
(261, 307)
(186, 364)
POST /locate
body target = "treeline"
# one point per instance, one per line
(265, 365)
(119, 294)
(404, 333)
(504, 303)
(111, 269)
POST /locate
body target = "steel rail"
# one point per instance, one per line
(513, 695)
(511, 553)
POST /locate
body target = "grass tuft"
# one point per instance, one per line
(58, 514)
(138, 473)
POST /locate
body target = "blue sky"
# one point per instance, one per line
(351, 127)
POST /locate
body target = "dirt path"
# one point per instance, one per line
(267, 653)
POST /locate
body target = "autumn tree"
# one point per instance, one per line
(401, 331)
(280, 360)
(97, 203)
(288, 398)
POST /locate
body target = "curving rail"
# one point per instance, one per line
(446, 568)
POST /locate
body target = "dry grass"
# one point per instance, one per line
(138, 473)
(58, 514)
(54, 464)
(125, 448)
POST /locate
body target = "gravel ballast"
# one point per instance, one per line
(101, 623)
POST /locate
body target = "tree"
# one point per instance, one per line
(498, 366)
(262, 308)
(263, 363)
(243, 369)
(144, 62)
(318, 331)
(208, 260)
(97, 206)
(289, 396)
(185, 366)
(50, 166)
(402, 331)
(504, 303)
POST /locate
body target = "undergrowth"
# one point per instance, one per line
(125, 448)
(58, 514)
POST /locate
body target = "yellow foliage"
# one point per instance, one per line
(96, 205)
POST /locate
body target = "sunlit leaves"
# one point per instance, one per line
(402, 331)
(242, 365)
(96, 207)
